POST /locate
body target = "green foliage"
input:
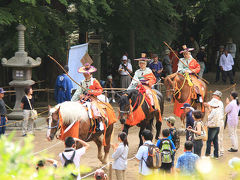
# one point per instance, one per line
(17, 162)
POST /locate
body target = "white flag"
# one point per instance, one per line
(76, 53)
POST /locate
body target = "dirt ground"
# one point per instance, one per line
(90, 158)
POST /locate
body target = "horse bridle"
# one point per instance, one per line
(57, 126)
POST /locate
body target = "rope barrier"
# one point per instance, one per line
(104, 167)
(21, 120)
(47, 148)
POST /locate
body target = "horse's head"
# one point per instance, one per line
(52, 122)
(169, 88)
(124, 105)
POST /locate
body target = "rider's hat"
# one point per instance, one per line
(142, 58)
(87, 68)
(185, 49)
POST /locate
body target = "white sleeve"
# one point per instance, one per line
(77, 94)
(231, 61)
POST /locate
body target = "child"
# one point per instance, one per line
(120, 156)
(174, 135)
(167, 148)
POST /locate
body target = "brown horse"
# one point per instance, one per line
(177, 87)
(71, 112)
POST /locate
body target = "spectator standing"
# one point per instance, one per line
(197, 131)
(167, 62)
(63, 87)
(217, 96)
(156, 67)
(188, 110)
(71, 153)
(27, 104)
(232, 49)
(232, 110)
(214, 116)
(195, 45)
(3, 113)
(202, 59)
(219, 54)
(120, 156)
(142, 153)
(174, 135)
(125, 68)
(168, 149)
(186, 163)
(226, 63)
(110, 84)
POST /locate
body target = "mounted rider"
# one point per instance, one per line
(89, 92)
(143, 80)
(189, 67)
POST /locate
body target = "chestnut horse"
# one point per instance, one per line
(72, 112)
(136, 98)
(177, 87)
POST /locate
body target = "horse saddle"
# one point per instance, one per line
(198, 86)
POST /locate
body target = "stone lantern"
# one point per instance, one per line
(22, 66)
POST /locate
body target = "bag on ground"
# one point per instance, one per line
(154, 157)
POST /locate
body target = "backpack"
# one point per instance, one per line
(68, 161)
(166, 150)
(154, 157)
(175, 137)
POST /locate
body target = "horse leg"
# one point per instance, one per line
(140, 134)
(125, 129)
(108, 143)
(98, 142)
(158, 129)
(182, 117)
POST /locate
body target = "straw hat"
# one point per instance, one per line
(143, 58)
(87, 68)
(185, 49)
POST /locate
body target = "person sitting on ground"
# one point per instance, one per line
(72, 155)
(120, 156)
(110, 84)
(142, 153)
(189, 118)
(197, 131)
(186, 163)
(41, 163)
(167, 148)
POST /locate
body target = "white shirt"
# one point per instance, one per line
(139, 76)
(226, 62)
(142, 155)
(76, 159)
(120, 157)
(123, 72)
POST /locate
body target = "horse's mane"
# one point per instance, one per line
(72, 111)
